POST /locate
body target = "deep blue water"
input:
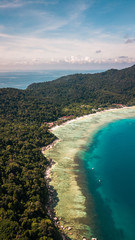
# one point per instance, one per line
(110, 171)
(22, 79)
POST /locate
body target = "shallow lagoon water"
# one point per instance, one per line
(76, 205)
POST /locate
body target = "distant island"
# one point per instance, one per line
(26, 116)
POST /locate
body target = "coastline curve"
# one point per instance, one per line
(73, 136)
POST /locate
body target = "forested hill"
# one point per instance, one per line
(24, 131)
(112, 86)
(50, 100)
(97, 80)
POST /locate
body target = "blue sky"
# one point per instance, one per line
(71, 34)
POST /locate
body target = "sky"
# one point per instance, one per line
(66, 34)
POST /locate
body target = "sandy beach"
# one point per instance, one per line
(73, 137)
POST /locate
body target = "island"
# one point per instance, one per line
(25, 129)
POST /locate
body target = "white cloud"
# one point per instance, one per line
(50, 21)
(19, 3)
(24, 51)
(13, 4)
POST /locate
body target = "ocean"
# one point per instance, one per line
(21, 80)
(109, 164)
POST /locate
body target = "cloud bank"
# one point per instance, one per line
(62, 34)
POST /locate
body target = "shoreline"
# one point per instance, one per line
(52, 201)
(49, 146)
(87, 115)
(53, 170)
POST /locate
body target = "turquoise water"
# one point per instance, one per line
(109, 164)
